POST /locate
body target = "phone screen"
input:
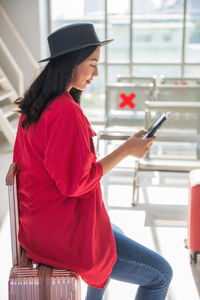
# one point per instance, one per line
(156, 125)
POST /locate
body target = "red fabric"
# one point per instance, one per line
(63, 221)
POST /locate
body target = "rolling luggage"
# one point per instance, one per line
(194, 215)
(42, 283)
(30, 280)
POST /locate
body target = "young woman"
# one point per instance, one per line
(63, 221)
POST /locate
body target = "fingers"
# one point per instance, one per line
(140, 133)
(151, 140)
(135, 146)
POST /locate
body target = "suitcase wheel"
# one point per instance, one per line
(193, 257)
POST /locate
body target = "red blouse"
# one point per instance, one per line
(63, 220)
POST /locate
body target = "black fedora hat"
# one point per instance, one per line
(71, 38)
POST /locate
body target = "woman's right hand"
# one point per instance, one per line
(135, 146)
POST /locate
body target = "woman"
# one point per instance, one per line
(63, 221)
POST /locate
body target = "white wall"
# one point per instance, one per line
(30, 18)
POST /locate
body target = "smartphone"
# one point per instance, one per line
(156, 125)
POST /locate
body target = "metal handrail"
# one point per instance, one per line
(16, 68)
(20, 40)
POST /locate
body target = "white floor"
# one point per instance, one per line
(159, 221)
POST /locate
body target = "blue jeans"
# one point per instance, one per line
(139, 265)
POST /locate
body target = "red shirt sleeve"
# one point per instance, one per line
(68, 156)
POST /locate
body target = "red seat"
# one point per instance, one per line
(193, 214)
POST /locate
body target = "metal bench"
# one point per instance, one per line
(185, 81)
(137, 80)
(125, 105)
(177, 147)
(177, 89)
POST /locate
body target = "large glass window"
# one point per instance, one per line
(94, 93)
(148, 38)
(65, 12)
(157, 31)
(118, 19)
(62, 13)
(192, 71)
(192, 43)
(149, 70)
(115, 70)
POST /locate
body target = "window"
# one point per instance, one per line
(160, 21)
(167, 37)
(148, 38)
(192, 42)
(118, 28)
(149, 70)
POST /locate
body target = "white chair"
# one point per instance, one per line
(137, 80)
(126, 115)
(169, 92)
(184, 81)
(177, 89)
(177, 147)
(124, 110)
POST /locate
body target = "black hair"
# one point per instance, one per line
(51, 82)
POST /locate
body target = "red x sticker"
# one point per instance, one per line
(127, 100)
(183, 83)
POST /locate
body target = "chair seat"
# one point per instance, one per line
(114, 135)
(185, 137)
(168, 165)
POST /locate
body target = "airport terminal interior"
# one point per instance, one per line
(152, 66)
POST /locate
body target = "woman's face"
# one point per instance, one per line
(84, 73)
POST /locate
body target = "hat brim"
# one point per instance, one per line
(103, 43)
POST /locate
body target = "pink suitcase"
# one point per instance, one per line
(29, 280)
(193, 215)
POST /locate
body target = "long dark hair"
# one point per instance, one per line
(51, 82)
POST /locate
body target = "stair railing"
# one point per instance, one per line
(31, 58)
(15, 67)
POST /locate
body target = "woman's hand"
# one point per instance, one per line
(136, 146)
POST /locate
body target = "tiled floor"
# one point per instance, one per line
(158, 221)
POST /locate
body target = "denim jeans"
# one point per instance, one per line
(139, 265)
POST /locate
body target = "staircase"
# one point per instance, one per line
(12, 74)
(8, 116)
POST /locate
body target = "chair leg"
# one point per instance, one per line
(135, 195)
(106, 145)
(198, 151)
(97, 145)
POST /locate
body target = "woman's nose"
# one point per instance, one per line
(96, 72)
